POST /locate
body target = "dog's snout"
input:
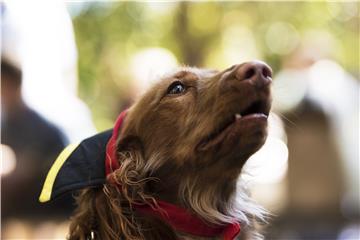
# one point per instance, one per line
(257, 72)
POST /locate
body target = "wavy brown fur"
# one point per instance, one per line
(159, 158)
(107, 211)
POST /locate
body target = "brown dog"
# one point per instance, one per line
(185, 143)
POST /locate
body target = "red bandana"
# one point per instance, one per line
(179, 218)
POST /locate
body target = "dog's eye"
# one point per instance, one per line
(176, 88)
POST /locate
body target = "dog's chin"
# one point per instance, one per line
(238, 140)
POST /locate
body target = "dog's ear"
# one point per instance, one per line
(130, 143)
(78, 166)
(131, 174)
(130, 152)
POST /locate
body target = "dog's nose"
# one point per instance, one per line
(257, 72)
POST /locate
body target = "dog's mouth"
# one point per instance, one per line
(258, 110)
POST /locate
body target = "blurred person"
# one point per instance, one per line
(319, 101)
(35, 99)
(29, 36)
(35, 142)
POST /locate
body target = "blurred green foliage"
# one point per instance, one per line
(204, 34)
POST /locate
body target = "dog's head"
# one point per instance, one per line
(199, 118)
(199, 125)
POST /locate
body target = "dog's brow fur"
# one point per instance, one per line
(158, 158)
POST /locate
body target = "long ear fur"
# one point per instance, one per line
(108, 211)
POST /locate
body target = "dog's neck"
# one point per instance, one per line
(186, 222)
(219, 201)
(209, 194)
(200, 204)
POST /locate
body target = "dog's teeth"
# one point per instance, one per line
(237, 116)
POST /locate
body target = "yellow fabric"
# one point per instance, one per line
(55, 168)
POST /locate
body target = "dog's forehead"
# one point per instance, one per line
(155, 91)
(198, 72)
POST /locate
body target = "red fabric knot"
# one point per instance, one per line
(181, 219)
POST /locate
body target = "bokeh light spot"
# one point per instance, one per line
(149, 65)
(8, 160)
(281, 38)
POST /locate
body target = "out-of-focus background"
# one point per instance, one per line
(69, 68)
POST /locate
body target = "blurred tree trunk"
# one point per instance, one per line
(192, 47)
